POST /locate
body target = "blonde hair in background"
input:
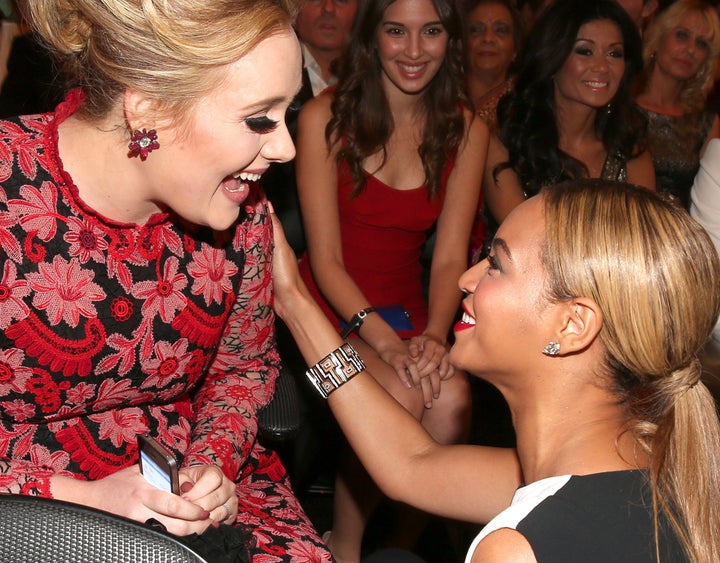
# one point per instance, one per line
(655, 274)
(173, 51)
(695, 90)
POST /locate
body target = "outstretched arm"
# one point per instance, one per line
(471, 483)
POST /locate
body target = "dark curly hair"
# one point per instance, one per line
(526, 117)
(361, 121)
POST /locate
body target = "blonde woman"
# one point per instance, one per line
(595, 348)
(680, 52)
(135, 263)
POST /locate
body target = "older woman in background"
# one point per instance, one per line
(680, 51)
(494, 36)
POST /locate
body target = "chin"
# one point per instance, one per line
(222, 223)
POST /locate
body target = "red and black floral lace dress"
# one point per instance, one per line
(110, 330)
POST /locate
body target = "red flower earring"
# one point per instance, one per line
(143, 142)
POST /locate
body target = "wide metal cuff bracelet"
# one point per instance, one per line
(335, 369)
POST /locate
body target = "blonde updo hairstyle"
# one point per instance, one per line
(695, 90)
(655, 274)
(173, 51)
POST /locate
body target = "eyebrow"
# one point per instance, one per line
(622, 43)
(401, 24)
(501, 244)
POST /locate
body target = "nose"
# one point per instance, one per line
(279, 146)
(328, 6)
(600, 63)
(469, 279)
(413, 47)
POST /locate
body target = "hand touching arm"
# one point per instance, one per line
(470, 483)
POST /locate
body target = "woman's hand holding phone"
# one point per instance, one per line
(127, 493)
(207, 486)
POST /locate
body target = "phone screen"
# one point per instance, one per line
(154, 473)
(157, 465)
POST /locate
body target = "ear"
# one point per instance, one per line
(582, 320)
(649, 8)
(138, 110)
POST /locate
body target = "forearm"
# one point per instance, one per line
(444, 297)
(346, 298)
(243, 372)
(362, 408)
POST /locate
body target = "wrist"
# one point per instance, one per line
(356, 322)
(434, 336)
(335, 369)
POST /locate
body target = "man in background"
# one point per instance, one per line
(323, 27)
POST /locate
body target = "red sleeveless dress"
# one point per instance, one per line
(383, 233)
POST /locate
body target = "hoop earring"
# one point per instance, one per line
(143, 142)
(552, 348)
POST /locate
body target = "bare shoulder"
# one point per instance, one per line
(317, 110)
(504, 546)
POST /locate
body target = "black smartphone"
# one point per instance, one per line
(158, 465)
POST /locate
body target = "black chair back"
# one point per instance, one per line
(39, 530)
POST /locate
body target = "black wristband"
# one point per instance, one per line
(356, 322)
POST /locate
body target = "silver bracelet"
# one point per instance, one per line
(335, 369)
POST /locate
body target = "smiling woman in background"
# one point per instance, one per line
(570, 114)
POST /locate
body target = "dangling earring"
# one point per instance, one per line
(552, 348)
(608, 110)
(143, 142)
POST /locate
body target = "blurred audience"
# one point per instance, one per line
(640, 11)
(530, 10)
(32, 84)
(680, 51)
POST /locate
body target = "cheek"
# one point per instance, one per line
(386, 48)
(701, 57)
(508, 47)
